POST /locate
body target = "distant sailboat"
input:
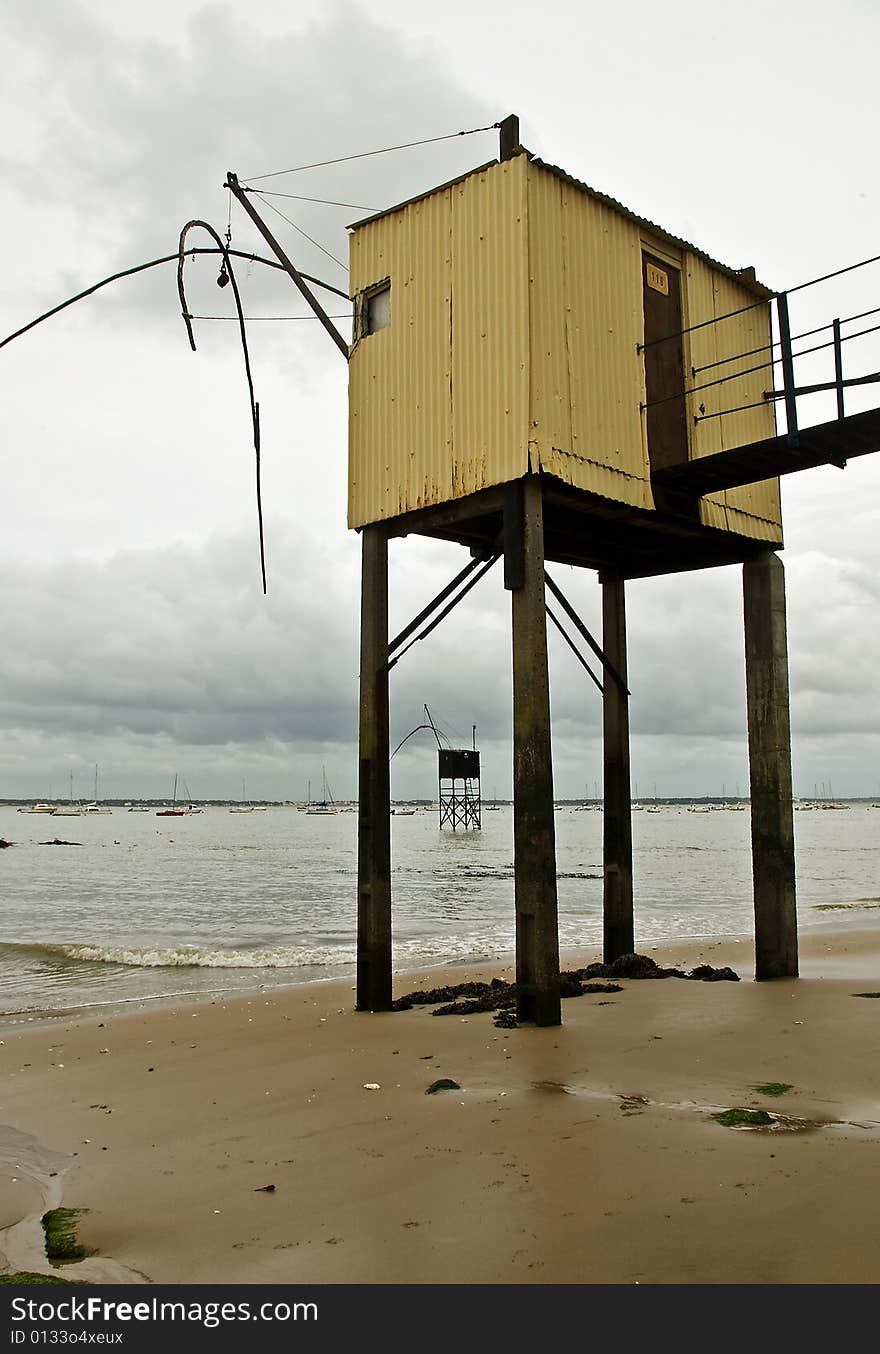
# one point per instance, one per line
(326, 805)
(95, 806)
(69, 810)
(242, 807)
(174, 811)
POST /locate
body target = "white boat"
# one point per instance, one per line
(41, 808)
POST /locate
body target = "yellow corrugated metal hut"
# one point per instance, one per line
(541, 375)
(515, 320)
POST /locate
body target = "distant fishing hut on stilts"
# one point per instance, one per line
(542, 376)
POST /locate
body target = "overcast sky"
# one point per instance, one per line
(136, 636)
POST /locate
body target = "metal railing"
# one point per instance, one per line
(781, 356)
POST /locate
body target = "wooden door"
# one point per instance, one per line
(664, 364)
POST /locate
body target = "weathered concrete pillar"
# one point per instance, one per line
(534, 829)
(617, 900)
(374, 787)
(773, 872)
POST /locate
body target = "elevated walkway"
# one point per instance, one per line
(831, 443)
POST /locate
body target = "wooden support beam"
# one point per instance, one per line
(773, 872)
(534, 829)
(509, 137)
(617, 903)
(374, 784)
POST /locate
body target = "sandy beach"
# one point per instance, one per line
(581, 1154)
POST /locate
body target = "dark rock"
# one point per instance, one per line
(597, 970)
(58, 842)
(570, 985)
(506, 1020)
(705, 973)
(442, 1084)
(633, 966)
(265, 1189)
(3, 843)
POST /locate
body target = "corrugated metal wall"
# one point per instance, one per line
(438, 401)
(755, 509)
(587, 380)
(490, 328)
(701, 349)
(516, 314)
(753, 506)
(400, 413)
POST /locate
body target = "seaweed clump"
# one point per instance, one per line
(60, 1227)
(463, 999)
(28, 1276)
(498, 995)
(744, 1119)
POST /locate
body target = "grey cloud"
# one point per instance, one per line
(143, 131)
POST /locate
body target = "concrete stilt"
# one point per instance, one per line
(773, 869)
(617, 913)
(537, 937)
(374, 788)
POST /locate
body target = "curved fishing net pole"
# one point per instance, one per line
(141, 268)
(227, 275)
(226, 270)
(408, 736)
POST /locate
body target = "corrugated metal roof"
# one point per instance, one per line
(420, 197)
(742, 277)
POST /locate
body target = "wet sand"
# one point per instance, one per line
(581, 1154)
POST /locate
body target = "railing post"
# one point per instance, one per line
(838, 368)
(787, 368)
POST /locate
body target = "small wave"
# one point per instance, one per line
(184, 956)
(861, 905)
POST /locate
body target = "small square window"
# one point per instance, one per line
(375, 308)
(379, 309)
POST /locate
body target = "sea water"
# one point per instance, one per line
(145, 907)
